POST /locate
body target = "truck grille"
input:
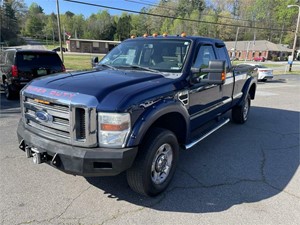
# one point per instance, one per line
(60, 121)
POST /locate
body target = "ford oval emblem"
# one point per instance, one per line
(43, 116)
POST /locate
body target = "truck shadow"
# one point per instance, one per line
(8, 107)
(237, 164)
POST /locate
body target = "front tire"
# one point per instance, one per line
(240, 113)
(154, 167)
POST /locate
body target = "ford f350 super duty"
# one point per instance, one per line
(143, 102)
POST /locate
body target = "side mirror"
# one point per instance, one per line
(94, 61)
(216, 72)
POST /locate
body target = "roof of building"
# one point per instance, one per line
(259, 45)
(90, 40)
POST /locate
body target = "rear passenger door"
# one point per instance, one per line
(205, 99)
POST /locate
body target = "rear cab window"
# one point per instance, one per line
(37, 59)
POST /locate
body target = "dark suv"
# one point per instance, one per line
(19, 66)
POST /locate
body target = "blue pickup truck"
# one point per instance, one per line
(146, 100)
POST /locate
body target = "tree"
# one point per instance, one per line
(11, 15)
(35, 21)
(100, 26)
(50, 28)
(123, 27)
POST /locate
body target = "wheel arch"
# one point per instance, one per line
(249, 88)
(173, 117)
(252, 91)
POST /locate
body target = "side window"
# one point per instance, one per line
(2, 57)
(10, 57)
(205, 54)
(222, 52)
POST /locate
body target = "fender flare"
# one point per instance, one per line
(151, 115)
(248, 84)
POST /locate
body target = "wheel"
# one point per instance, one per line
(154, 167)
(240, 113)
(9, 93)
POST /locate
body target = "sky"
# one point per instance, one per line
(49, 6)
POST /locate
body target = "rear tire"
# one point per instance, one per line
(240, 113)
(154, 167)
(9, 93)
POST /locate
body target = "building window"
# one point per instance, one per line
(77, 44)
(95, 44)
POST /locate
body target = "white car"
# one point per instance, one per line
(264, 72)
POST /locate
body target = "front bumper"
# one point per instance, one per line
(77, 160)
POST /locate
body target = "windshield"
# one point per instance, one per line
(152, 54)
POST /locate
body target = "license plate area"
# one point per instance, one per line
(41, 72)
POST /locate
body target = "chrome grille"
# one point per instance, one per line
(60, 117)
(66, 122)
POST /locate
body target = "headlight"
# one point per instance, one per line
(113, 129)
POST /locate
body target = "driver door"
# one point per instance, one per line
(204, 98)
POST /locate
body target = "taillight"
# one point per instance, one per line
(63, 68)
(14, 71)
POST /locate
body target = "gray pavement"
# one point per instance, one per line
(31, 44)
(242, 174)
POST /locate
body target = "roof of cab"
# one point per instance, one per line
(192, 38)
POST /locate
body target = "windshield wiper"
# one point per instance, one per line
(144, 68)
(108, 66)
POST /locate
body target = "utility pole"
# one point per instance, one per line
(248, 46)
(59, 31)
(296, 34)
(235, 42)
(53, 36)
(64, 34)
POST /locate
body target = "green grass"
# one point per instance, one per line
(77, 62)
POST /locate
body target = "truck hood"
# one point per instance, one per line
(113, 89)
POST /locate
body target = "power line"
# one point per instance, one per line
(151, 4)
(172, 17)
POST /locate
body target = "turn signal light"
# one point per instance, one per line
(114, 127)
(223, 76)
